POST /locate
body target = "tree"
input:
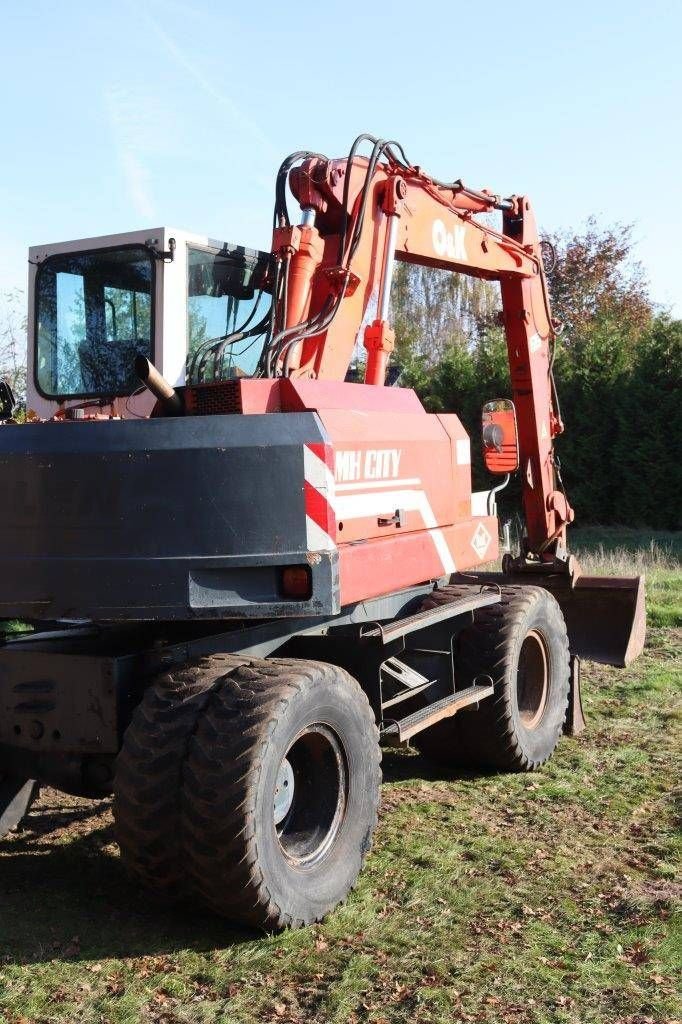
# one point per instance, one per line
(434, 310)
(596, 283)
(13, 342)
(617, 369)
(600, 295)
(648, 428)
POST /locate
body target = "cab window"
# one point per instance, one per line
(94, 315)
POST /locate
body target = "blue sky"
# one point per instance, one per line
(136, 114)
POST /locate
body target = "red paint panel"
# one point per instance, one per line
(300, 394)
(461, 463)
(385, 463)
(383, 566)
(260, 396)
(284, 395)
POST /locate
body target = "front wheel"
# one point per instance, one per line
(522, 645)
(275, 767)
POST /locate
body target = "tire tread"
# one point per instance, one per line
(487, 738)
(188, 773)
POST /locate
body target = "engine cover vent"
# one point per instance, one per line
(217, 399)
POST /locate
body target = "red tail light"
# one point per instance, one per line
(297, 582)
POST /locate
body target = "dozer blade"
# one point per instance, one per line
(605, 616)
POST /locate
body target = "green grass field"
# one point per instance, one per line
(538, 898)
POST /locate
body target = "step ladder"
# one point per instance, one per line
(401, 730)
(411, 681)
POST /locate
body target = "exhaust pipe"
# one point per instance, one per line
(164, 392)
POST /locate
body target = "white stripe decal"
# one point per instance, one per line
(463, 448)
(318, 473)
(316, 538)
(358, 506)
(479, 503)
(364, 485)
(443, 550)
(319, 476)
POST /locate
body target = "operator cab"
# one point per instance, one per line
(195, 307)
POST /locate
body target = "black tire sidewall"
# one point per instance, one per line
(543, 617)
(307, 891)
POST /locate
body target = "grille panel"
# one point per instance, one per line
(219, 399)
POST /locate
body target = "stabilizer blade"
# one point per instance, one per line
(16, 796)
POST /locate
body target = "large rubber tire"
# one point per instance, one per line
(522, 645)
(197, 780)
(149, 771)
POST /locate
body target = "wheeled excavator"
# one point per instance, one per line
(244, 572)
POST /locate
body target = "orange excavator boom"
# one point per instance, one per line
(359, 215)
(334, 272)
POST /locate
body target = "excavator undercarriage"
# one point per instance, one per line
(241, 570)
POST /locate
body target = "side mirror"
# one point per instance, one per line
(7, 401)
(500, 436)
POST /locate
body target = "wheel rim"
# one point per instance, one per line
(284, 791)
(532, 680)
(310, 797)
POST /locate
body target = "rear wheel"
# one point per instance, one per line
(271, 790)
(149, 769)
(522, 645)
